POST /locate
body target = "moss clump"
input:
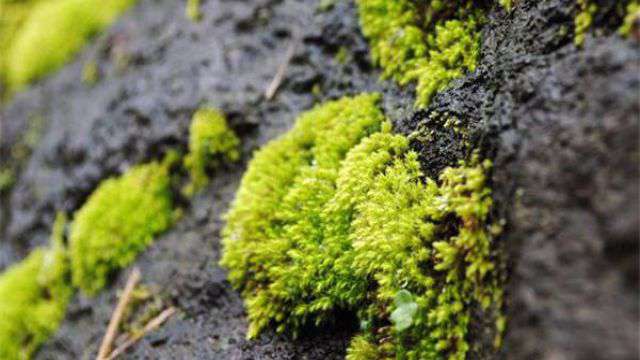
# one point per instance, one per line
(336, 215)
(430, 43)
(12, 17)
(631, 19)
(7, 179)
(583, 20)
(90, 73)
(210, 142)
(312, 149)
(507, 4)
(118, 221)
(52, 32)
(33, 298)
(192, 10)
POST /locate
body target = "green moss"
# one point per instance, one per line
(631, 19)
(507, 4)
(336, 215)
(210, 142)
(272, 173)
(342, 56)
(12, 17)
(7, 179)
(453, 51)
(33, 298)
(90, 73)
(192, 10)
(52, 32)
(326, 5)
(421, 43)
(583, 20)
(361, 348)
(118, 221)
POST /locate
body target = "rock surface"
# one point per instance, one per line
(560, 122)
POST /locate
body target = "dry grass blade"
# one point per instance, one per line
(282, 69)
(116, 317)
(151, 325)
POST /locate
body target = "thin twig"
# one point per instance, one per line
(282, 69)
(116, 317)
(151, 325)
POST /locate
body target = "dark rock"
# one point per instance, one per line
(561, 124)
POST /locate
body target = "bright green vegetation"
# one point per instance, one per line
(431, 43)
(12, 17)
(507, 4)
(336, 215)
(7, 179)
(39, 36)
(583, 20)
(90, 73)
(118, 221)
(193, 10)
(587, 9)
(632, 17)
(33, 298)
(210, 142)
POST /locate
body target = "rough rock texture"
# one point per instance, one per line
(561, 123)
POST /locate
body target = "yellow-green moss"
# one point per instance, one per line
(430, 44)
(192, 10)
(583, 20)
(342, 56)
(90, 73)
(632, 17)
(118, 221)
(336, 215)
(507, 4)
(7, 179)
(210, 142)
(12, 16)
(50, 32)
(33, 298)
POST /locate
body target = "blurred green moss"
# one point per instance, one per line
(118, 221)
(210, 143)
(39, 36)
(193, 10)
(583, 20)
(33, 297)
(631, 18)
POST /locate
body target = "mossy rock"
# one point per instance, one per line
(337, 215)
(430, 43)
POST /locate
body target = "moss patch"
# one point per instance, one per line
(33, 298)
(12, 17)
(430, 43)
(192, 10)
(118, 221)
(210, 143)
(631, 19)
(90, 73)
(507, 4)
(583, 20)
(336, 215)
(45, 34)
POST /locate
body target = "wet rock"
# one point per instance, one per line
(561, 124)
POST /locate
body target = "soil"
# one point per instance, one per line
(560, 122)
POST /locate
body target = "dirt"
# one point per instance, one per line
(560, 122)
